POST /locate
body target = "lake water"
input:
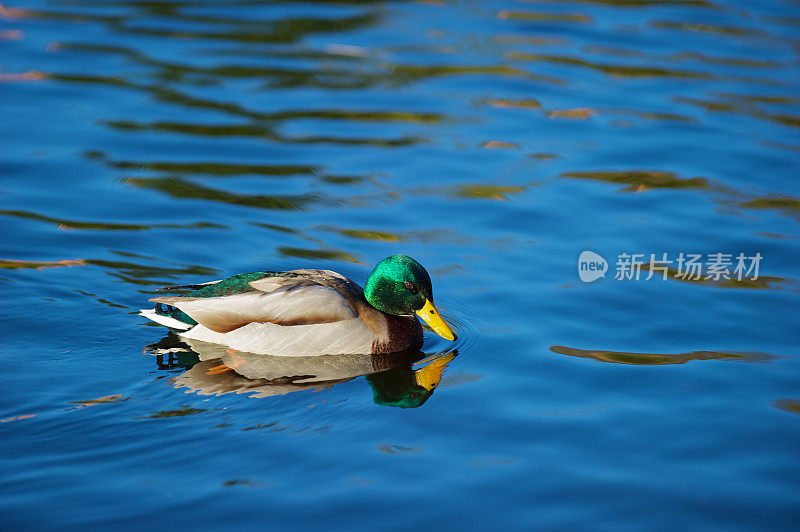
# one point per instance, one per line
(152, 143)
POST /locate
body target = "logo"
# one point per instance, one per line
(591, 266)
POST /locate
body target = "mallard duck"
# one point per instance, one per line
(308, 312)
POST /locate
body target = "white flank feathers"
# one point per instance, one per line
(340, 337)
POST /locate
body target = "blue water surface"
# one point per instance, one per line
(150, 143)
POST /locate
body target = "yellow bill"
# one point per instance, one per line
(430, 315)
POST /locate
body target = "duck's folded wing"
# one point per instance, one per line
(296, 304)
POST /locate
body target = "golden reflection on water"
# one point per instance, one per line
(179, 187)
(638, 180)
(328, 254)
(260, 131)
(611, 69)
(644, 180)
(636, 3)
(145, 275)
(6, 264)
(657, 359)
(716, 29)
(31, 75)
(787, 405)
(527, 103)
(533, 16)
(762, 282)
(225, 169)
(103, 226)
(577, 112)
(486, 191)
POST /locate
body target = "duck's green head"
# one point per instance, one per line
(400, 285)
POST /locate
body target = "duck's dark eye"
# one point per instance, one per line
(410, 286)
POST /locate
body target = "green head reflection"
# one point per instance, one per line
(406, 387)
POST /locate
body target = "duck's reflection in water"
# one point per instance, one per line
(406, 379)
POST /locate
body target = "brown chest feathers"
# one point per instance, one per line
(392, 333)
(404, 332)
